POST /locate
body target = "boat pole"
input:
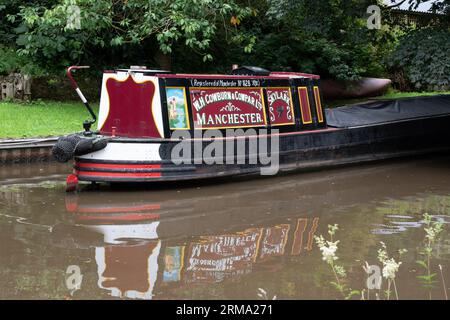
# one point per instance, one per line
(87, 123)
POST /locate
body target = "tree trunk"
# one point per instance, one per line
(163, 60)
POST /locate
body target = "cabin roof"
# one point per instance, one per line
(167, 74)
(272, 75)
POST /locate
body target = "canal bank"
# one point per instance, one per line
(26, 150)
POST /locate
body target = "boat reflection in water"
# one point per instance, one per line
(135, 258)
(218, 241)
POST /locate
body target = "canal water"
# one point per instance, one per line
(221, 240)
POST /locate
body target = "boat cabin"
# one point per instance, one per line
(150, 121)
(141, 103)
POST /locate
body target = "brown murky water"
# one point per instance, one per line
(221, 241)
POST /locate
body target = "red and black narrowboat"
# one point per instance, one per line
(159, 126)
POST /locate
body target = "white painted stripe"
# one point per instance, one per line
(127, 152)
(80, 94)
(101, 265)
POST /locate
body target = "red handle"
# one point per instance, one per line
(87, 124)
(70, 76)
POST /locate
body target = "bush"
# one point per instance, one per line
(422, 57)
(9, 62)
(327, 37)
(12, 62)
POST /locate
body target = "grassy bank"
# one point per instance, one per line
(398, 95)
(41, 118)
(49, 118)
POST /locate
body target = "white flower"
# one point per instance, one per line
(390, 268)
(320, 240)
(329, 251)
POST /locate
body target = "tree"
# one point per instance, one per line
(109, 28)
(420, 59)
(328, 37)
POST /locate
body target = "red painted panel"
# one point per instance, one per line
(221, 254)
(119, 174)
(315, 223)
(318, 104)
(126, 267)
(118, 209)
(274, 241)
(297, 245)
(227, 107)
(279, 102)
(125, 217)
(130, 109)
(305, 105)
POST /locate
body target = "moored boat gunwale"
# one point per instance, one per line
(372, 148)
(286, 107)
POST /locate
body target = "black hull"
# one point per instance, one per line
(313, 150)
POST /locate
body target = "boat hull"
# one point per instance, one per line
(150, 160)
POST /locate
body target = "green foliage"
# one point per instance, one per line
(9, 62)
(423, 57)
(109, 28)
(432, 229)
(328, 249)
(12, 62)
(327, 37)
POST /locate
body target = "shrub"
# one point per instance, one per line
(12, 62)
(9, 62)
(423, 58)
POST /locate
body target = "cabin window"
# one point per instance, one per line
(177, 108)
(279, 100)
(318, 104)
(305, 105)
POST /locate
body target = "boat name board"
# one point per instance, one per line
(225, 83)
(227, 107)
(280, 105)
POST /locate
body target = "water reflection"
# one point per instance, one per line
(217, 241)
(134, 258)
(396, 224)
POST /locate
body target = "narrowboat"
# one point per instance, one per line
(155, 126)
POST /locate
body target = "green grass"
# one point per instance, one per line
(398, 95)
(41, 118)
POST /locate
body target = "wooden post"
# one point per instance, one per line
(18, 86)
(27, 87)
(7, 90)
(163, 60)
(15, 86)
